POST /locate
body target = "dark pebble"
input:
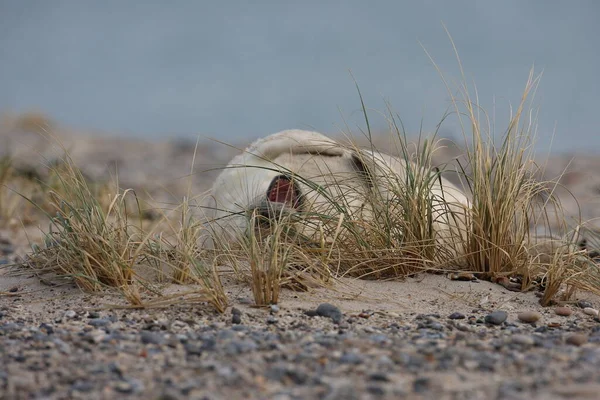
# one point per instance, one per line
(496, 318)
(44, 327)
(240, 347)
(379, 377)
(435, 326)
(235, 311)
(584, 304)
(194, 349)
(421, 384)
(236, 319)
(6, 249)
(351, 358)
(329, 311)
(149, 337)
(456, 315)
(284, 373)
(82, 386)
(376, 390)
(99, 322)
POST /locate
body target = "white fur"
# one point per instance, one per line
(243, 184)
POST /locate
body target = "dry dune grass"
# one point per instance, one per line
(98, 241)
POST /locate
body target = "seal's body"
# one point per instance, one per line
(309, 173)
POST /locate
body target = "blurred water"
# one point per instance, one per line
(240, 69)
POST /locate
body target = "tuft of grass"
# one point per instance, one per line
(92, 244)
(180, 254)
(268, 257)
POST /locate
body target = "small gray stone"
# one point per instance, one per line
(240, 346)
(379, 377)
(99, 322)
(82, 386)
(194, 349)
(421, 384)
(69, 314)
(496, 318)
(329, 311)
(274, 308)
(129, 386)
(584, 304)
(456, 315)
(149, 337)
(10, 327)
(351, 358)
(236, 319)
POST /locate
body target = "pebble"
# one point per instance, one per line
(149, 337)
(577, 339)
(69, 314)
(529, 316)
(329, 311)
(590, 311)
(563, 311)
(82, 386)
(456, 315)
(584, 304)
(44, 327)
(379, 377)
(524, 340)
(235, 311)
(6, 247)
(124, 387)
(99, 322)
(236, 316)
(274, 308)
(496, 318)
(351, 358)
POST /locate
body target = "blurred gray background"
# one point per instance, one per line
(239, 69)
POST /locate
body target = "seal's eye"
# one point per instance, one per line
(282, 190)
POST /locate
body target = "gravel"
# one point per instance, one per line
(191, 352)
